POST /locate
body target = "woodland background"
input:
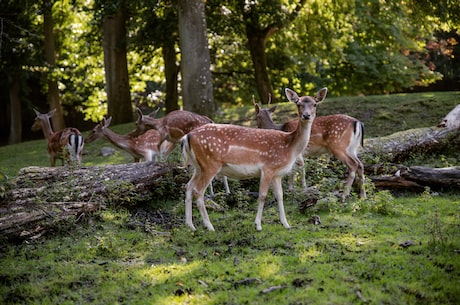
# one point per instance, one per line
(91, 58)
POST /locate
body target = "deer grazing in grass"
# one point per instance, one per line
(172, 127)
(243, 152)
(66, 144)
(337, 134)
(143, 146)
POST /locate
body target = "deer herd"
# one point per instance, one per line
(268, 152)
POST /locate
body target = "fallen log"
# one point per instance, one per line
(396, 148)
(414, 178)
(40, 198)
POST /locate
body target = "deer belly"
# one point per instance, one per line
(241, 171)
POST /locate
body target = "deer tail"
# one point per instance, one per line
(359, 132)
(76, 144)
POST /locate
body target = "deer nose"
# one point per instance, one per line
(306, 116)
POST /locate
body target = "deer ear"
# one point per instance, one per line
(321, 95)
(272, 109)
(107, 121)
(155, 112)
(257, 107)
(37, 113)
(52, 112)
(139, 112)
(291, 95)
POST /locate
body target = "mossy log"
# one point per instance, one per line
(397, 147)
(40, 198)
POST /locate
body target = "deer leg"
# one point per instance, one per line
(263, 190)
(278, 192)
(202, 181)
(362, 190)
(227, 188)
(188, 203)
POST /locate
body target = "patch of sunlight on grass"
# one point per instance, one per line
(160, 274)
(308, 255)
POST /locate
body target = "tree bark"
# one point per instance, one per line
(50, 57)
(197, 90)
(116, 68)
(41, 198)
(414, 178)
(15, 110)
(257, 40)
(396, 148)
(171, 73)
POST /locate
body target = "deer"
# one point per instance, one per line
(66, 144)
(144, 146)
(338, 134)
(244, 152)
(172, 127)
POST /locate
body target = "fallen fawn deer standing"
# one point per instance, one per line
(338, 134)
(143, 146)
(66, 144)
(243, 152)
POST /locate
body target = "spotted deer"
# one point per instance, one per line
(144, 146)
(66, 144)
(244, 152)
(172, 127)
(338, 134)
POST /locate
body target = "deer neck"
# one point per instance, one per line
(47, 129)
(120, 141)
(301, 135)
(153, 123)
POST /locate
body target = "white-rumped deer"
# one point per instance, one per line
(66, 144)
(337, 134)
(243, 152)
(143, 146)
(172, 127)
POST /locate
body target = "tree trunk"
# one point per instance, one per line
(171, 73)
(116, 68)
(15, 110)
(50, 57)
(197, 90)
(257, 40)
(41, 198)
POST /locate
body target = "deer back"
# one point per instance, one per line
(243, 152)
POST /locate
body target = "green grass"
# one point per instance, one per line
(146, 254)
(112, 263)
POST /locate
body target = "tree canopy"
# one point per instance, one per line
(256, 47)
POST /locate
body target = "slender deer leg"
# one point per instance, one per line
(188, 204)
(263, 190)
(278, 192)
(362, 190)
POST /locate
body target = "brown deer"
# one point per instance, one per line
(172, 127)
(243, 152)
(144, 146)
(337, 134)
(66, 144)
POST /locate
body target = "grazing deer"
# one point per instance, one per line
(66, 144)
(172, 127)
(243, 152)
(337, 134)
(144, 146)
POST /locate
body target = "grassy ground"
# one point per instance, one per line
(388, 249)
